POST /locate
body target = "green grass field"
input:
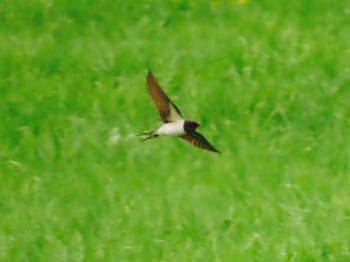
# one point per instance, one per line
(268, 80)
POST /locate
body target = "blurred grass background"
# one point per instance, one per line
(268, 80)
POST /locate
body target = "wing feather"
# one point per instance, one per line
(198, 140)
(167, 110)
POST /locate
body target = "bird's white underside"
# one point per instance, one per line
(171, 129)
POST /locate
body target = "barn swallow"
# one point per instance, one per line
(174, 123)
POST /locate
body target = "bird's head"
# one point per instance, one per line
(190, 126)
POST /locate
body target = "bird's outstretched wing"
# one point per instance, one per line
(198, 140)
(167, 110)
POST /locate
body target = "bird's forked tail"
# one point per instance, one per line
(149, 135)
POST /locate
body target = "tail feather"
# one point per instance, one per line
(149, 135)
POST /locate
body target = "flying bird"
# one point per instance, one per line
(174, 123)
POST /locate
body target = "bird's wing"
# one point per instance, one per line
(167, 110)
(198, 140)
